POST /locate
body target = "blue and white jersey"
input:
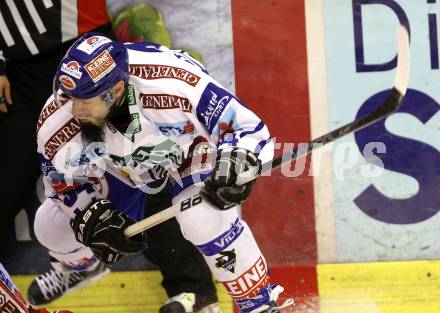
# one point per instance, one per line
(174, 89)
(180, 117)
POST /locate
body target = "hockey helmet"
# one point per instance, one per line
(91, 67)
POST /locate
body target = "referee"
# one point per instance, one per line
(34, 35)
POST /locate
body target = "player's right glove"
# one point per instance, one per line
(101, 228)
(220, 188)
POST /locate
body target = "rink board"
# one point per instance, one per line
(389, 287)
(394, 287)
(303, 87)
(119, 292)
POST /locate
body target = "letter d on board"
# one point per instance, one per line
(358, 34)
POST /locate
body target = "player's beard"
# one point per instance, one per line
(94, 131)
(91, 132)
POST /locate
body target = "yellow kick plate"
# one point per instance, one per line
(118, 292)
(388, 287)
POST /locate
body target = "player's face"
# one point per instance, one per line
(93, 110)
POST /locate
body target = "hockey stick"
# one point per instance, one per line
(391, 105)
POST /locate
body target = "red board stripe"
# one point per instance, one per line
(271, 77)
(300, 284)
(270, 55)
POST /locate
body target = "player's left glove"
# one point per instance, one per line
(101, 228)
(220, 188)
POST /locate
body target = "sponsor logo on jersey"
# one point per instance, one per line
(227, 260)
(131, 98)
(45, 165)
(7, 306)
(72, 68)
(156, 71)
(135, 123)
(176, 129)
(5, 280)
(223, 241)
(164, 102)
(92, 43)
(46, 113)
(100, 66)
(10, 298)
(212, 104)
(67, 82)
(250, 281)
(63, 135)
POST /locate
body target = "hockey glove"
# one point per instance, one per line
(220, 188)
(101, 228)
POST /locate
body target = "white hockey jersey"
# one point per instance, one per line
(179, 115)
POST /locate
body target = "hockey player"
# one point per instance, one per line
(141, 112)
(25, 77)
(11, 299)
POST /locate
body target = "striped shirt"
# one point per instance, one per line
(31, 27)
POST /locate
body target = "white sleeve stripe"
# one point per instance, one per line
(22, 28)
(69, 20)
(35, 16)
(5, 32)
(48, 4)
